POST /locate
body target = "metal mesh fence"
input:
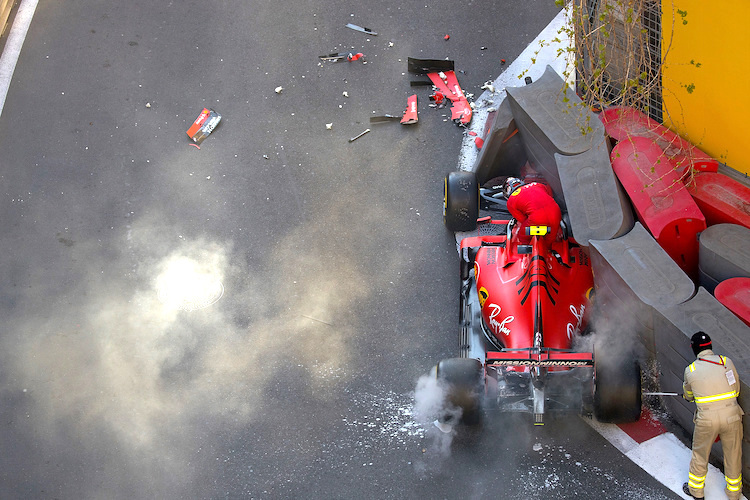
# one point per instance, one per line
(618, 53)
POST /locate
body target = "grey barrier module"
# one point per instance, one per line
(723, 253)
(633, 275)
(597, 206)
(502, 152)
(551, 119)
(675, 325)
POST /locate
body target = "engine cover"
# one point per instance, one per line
(537, 299)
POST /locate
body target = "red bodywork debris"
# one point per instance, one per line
(203, 125)
(502, 61)
(438, 97)
(479, 142)
(447, 37)
(410, 115)
(473, 134)
(340, 56)
(448, 85)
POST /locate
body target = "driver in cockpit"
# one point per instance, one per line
(532, 204)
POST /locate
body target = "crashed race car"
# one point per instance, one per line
(525, 337)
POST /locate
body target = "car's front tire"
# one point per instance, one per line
(461, 201)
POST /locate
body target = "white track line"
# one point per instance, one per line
(13, 45)
(663, 456)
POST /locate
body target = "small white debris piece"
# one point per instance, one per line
(265, 156)
(444, 428)
(148, 104)
(329, 126)
(390, 44)
(488, 86)
(345, 93)
(278, 90)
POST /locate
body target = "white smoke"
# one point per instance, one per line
(431, 407)
(189, 334)
(429, 399)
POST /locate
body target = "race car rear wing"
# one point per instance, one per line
(532, 358)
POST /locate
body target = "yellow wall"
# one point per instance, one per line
(711, 52)
(5, 7)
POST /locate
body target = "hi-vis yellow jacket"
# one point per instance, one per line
(711, 381)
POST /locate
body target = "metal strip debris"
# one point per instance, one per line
(361, 29)
(358, 136)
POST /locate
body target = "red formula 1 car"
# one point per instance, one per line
(524, 336)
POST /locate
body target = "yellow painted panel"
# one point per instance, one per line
(706, 78)
(5, 7)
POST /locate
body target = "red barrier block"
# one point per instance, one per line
(734, 293)
(660, 200)
(721, 199)
(621, 122)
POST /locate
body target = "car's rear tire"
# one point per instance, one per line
(617, 389)
(464, 385)
(461, 201)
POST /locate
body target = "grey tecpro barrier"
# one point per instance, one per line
(633, 277)
(723, 253)
(551, 119)
(502, 152)
(674, 326)
(575, 163)
(598, 207)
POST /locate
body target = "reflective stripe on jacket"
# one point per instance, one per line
(711, 379)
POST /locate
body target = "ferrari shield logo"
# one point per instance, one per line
(483, 294)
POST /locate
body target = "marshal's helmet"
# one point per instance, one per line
(511, 184)
(700, 341)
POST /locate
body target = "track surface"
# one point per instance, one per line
(338, 282)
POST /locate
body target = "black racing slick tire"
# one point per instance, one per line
(463, 380)
(461, 201)
(617, 389)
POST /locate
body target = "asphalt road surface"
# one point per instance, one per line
(248, 319)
